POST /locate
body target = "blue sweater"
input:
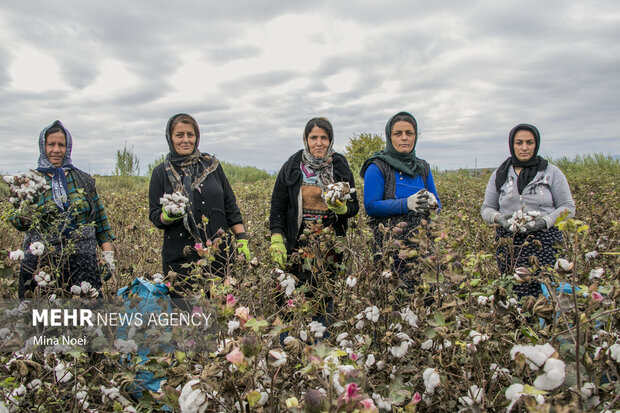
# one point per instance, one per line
(374, 184)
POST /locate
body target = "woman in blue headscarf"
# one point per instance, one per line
(66, 211)
(399, 187)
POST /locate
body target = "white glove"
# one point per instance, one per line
(419, 202)
(108, 257)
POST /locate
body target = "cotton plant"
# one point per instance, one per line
(475, 395)
(338, 192)
(16, 255)
(287, 282)
(25, 187)
(174, 204)
(193, 398)
(514, 393)
(37, 248)
(521, 221)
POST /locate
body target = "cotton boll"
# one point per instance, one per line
(614, 352)
(192, 398)
(431, 380)
(553, 377)
(535, 355)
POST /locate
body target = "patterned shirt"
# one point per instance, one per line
(80, 207)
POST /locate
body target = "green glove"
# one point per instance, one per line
(170, 218)
(278, 250)
(242, 248)
(339, 207)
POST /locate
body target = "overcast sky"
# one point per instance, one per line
(253, 72)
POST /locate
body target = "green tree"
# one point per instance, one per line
(360, 147)
(127, 163)
(154, 164)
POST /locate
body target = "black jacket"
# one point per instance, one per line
(284, 207)
(213, 199)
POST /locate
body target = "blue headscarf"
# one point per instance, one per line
(59, 180)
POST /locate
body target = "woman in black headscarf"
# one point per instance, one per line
(525, 196)
(192, 201)
(399, 188)
(72, 218)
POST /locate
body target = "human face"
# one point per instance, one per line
(56, 147)
(183, 138)
(318, 142)
(524, 145)
(403, 136)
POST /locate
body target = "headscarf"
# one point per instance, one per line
(323, 166)
(530, 167)
(407, 163)
(195, 167)
(59, 180)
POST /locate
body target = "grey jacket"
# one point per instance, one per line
(548, 193)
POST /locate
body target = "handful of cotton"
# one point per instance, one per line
(432, 201)
(25, 187)
(174, 204)
(338, 192)
(521, 220)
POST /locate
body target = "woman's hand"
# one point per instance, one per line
(419, 202)
(278, 250)
(338, 206)
(502, 220)
(242, 248)
(538, 224)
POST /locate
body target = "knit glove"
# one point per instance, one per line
(242, 248)
(418, 202)
(537, 224)
(108, 259)
(278, 250)
(171, 217)
(502, 221)
(339, 206)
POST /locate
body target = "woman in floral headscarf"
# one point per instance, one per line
(209, 208)
(526, 182)
(298, 203)
(70, 203)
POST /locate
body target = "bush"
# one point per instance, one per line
(127, 163)
(361, 147)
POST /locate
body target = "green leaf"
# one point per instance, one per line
(256, 325)
(253, 398)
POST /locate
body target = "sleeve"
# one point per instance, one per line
(279, 205)
(16, 221)
(103, 232)
(374, 203)
(430, 185)
(562, 198)
(490, 205)
(233, 213)
(156, 191)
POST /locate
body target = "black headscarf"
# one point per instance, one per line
(407, 163)
(530, 167)
(195, 167)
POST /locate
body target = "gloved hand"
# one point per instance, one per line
(171, 218)
(418, 202)
(278, 250)
(502, 221)
(339, 206)
(242, 248)
(537, 224)
(108, 258)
